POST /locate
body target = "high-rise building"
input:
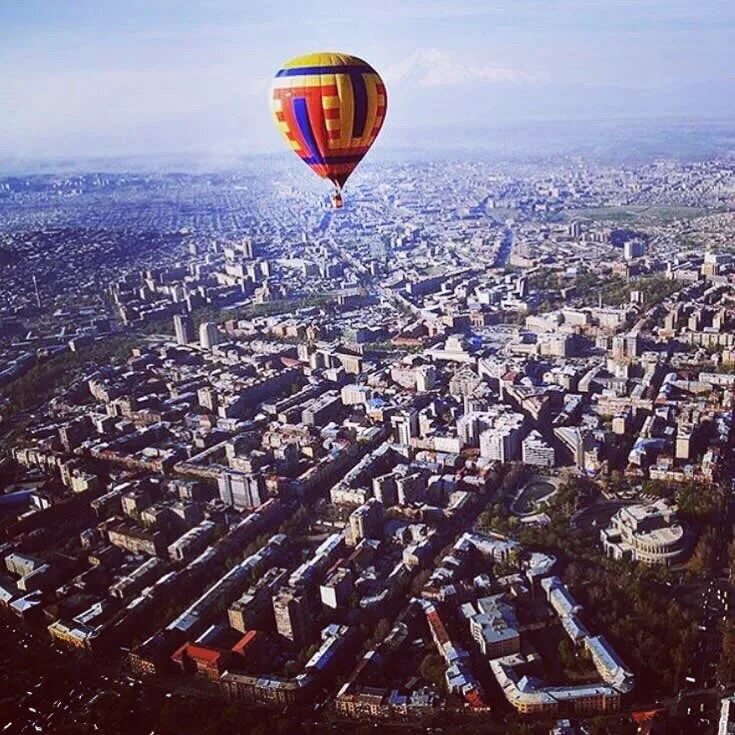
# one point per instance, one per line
(323, 409)
(632, 345)
(246, 246)
(468, 429)
(425, 378)
(618, 347)
(726, 725)
(184, 328)
(409, 488)
(626, 346)
(684, 434)
(522, 287)
(584, 446)
(621, 422)
(75, 432)
(715, 262)
(293, 616)
(385, 490)
(503, 441)
(208, 335)
(366, 521)
(634, 249)
(207, 397)
(464, 382)
(556, 345)
(405, 426)
(336, 589)
(537, 452)
(241, 490)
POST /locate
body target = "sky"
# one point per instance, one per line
(111, 78)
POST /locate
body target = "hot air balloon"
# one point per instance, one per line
(330, 108)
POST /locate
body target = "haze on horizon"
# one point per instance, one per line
(103, 78)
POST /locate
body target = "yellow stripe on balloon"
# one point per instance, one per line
(347, 106)
(322, 58)
(372, 109)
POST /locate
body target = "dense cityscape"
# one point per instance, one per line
(459, 454)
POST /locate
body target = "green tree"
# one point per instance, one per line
(432, 668)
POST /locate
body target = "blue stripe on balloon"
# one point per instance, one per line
(301, 112)
(333, 159)
(359, 91)
(300, 71)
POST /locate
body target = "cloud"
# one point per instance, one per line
(435, 68)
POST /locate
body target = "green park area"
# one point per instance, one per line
(49, 375)
(246, 311)
(638, 215)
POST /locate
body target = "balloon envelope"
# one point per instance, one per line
(330, 108)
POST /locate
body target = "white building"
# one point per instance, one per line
(537, 452)
(503, 441)
(651, 534)
(405, 427)
(425, 378)
(208, 335)
(727, 716)
(634, 249)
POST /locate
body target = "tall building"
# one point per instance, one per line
(585, 446)
(385, 489)
(522, 287)
(410, 488)
(632, 345)
(208, 335)
(626, 346)
(503, 440)
(405, 426)
(366, 521)
(468, 429)
(336, 589)
(323, 409)
(618, 347)
(684, 435)
(241, 490)
(556, 345)
(184, 328)
(714, 262)
(495, 627)
(293, 616)
(425, 378)
(726, 725)
(621, 422)
(207, 397)
(464, 382)
(537, 452)
(634, 249)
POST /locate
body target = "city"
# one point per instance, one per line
(367, 367)
(460, 450)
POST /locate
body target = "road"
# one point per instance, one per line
(504, 251)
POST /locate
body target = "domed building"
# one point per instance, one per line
(649, 533)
